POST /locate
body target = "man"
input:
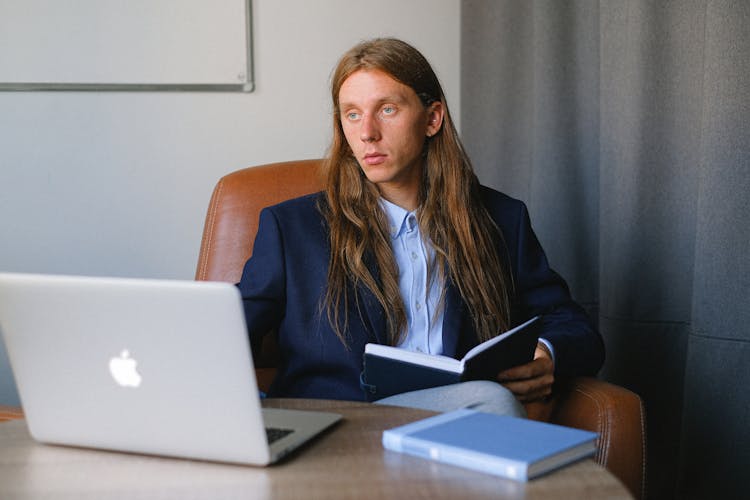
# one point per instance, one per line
(405, 247)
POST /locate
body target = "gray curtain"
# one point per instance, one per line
(625, 127)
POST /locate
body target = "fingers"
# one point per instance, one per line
(530, 381)
(540, 366)
(530, 370)
(531, 389)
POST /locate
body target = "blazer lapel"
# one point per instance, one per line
(453, 318)
(372, 313)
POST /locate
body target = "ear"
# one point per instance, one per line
(435, 114)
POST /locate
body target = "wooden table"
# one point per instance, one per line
(347, 462)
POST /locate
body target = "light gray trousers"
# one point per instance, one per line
(480, 395)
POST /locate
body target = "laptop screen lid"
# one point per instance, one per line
(150, 366)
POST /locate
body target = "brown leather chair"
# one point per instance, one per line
(617, 414)
(10, 413)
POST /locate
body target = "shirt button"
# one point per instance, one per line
(418, 306)
(414, 256)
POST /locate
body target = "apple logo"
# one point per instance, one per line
(123, 370)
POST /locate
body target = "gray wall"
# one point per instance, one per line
(624, 125)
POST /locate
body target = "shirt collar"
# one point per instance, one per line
(399, 219)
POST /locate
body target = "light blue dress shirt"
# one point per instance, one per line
(424, 315)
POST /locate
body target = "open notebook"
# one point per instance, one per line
(147, 366)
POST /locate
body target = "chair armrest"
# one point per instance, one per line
(615, 413)
(10, 413)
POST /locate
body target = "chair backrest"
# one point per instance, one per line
(232, 218)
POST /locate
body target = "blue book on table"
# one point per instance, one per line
(510, 447)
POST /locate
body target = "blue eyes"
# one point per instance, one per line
(384, 111)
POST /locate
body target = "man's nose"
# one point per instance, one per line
(369, 131)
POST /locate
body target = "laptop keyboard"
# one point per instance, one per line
(274, 433)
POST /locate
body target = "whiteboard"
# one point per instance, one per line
(125, 45)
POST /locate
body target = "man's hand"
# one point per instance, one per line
(533, 380)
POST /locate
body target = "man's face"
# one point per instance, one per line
(386, 126)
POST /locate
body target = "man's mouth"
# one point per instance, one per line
(374, 158)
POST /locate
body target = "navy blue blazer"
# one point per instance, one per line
(283, 282)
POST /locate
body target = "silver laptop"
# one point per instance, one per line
(146, 366)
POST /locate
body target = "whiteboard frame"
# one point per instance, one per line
(247, 86)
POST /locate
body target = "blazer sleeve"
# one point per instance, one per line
(578, 347)
(262, 285)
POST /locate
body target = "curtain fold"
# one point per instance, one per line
(623, 124)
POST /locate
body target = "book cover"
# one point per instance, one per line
(392, 370)
(509, 447)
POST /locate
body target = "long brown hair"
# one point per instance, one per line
(451, 216)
